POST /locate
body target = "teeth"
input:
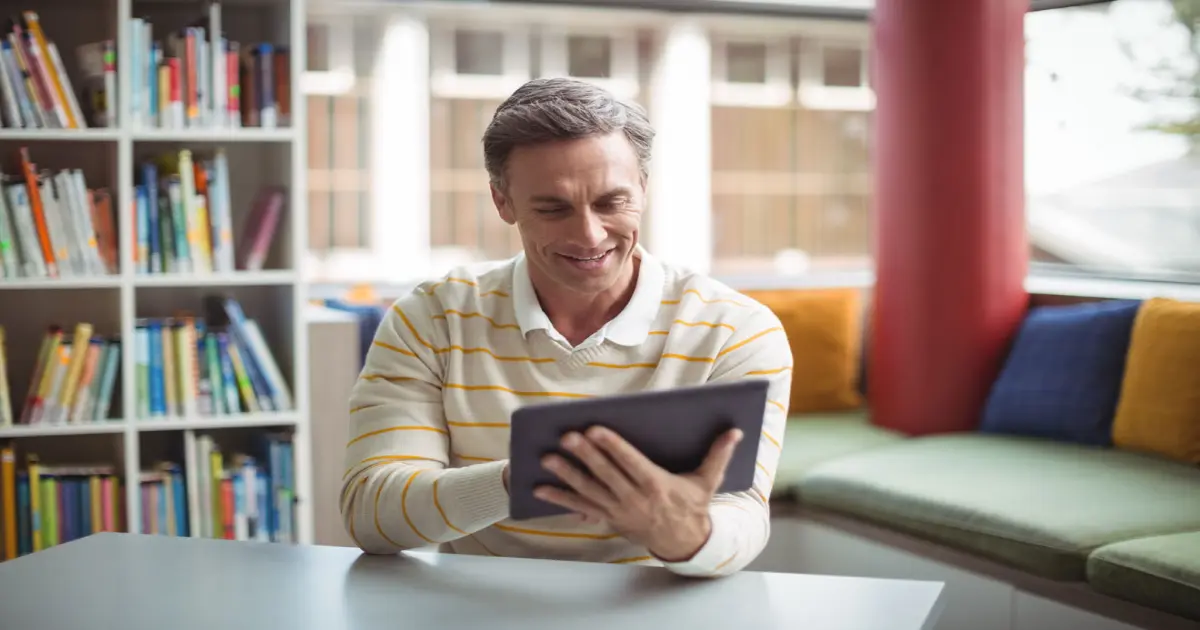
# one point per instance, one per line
(589, 259)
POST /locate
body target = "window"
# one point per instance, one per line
(834, 75)
(1113, 139)
(478, 61)
(790, 182)
(601, 57)
(339, 173)
(751, 72)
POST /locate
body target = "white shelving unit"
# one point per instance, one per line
(109, 157)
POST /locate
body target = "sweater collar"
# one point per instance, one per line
(630, 327)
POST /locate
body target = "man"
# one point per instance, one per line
(583, 311)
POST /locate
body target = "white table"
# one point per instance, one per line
(143, 582)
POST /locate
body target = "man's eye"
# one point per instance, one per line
(549, 210)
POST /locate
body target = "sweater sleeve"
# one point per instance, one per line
(398, 491)
(741, 521)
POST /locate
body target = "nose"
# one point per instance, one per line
(588, 229)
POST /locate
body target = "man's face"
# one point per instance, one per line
(578, 205)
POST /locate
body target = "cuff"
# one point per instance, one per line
(716, 553)
(474, 497)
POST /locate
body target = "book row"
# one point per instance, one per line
(184, 219)
(190, 366)
(72, 381)
(196, 77)
(239, 496)
(35, 90)
(53, 225)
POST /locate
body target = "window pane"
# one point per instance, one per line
(842, 66)
(790, 190)
(479, 52)
(589, 56)
(746, 62)
(1111, 114)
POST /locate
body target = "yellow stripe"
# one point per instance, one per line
(703, 299)
(684, 357)
(782, 407)
(618, 366)
(404, 506)
(403, 428)
(364, 407)
(764, 469)
(536, 532)
(767, 372)
(389, 458)
(437, 504)
(351, 512)
(481, 425)
(421, 340)
(433, 287)
(752, 338)
(496, 293)
(727, 561)
(405, 352)
(631, 560)
(350, 486)
(494, 323)
(500, 388)
(397, 379)
(379, 492)
(772, 439)
(472, 458)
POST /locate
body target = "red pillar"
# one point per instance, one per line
(950, 245)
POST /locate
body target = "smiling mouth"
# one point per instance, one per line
(593, 262)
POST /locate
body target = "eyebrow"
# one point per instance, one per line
(616, 192)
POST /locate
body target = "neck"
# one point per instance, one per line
(579, 315)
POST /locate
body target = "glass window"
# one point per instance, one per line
(478, 52)
(589, 56)
(1112, 131)
(842, 66)
(746, 62)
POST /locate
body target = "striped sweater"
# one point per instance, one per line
(429, 413)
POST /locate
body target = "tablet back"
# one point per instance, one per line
(674, 428)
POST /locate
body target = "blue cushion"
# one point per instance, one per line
(1062, 376)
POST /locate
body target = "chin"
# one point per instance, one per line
(593, 275)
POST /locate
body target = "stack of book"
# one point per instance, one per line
(35, 91)
(184, 217)
(198, 78)
(72, 381)
(219, 365)
(43, 505)
(243, 497)
(52, 225)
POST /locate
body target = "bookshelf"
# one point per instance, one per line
(237, 160)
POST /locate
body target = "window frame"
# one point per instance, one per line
(811, 89)
(446, 82)
(340, 77)
(776, 91)
(623, 80)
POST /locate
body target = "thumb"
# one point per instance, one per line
(712, 470)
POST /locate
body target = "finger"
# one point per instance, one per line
(599, 464)
(585, 485)
(637, 466)
(588, 511)
(712, 469)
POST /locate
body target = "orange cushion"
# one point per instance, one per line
(1159, 407)
(824, 330)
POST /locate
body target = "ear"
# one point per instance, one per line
(503, 205)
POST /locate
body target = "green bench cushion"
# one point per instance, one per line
(1161, 572)
(1035, 504)
(812, 439)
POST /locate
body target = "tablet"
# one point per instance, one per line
(674, 428)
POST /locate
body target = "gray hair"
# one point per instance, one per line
(544, 110)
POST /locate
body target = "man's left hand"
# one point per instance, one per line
(666, 513)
